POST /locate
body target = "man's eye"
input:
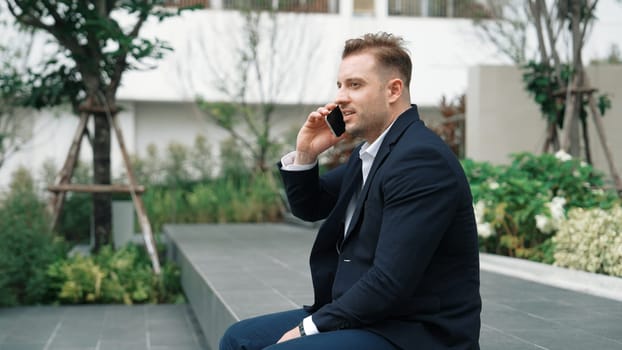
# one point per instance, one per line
(355, 85)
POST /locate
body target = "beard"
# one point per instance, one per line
(367, 126)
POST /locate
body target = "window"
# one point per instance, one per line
(439, 8)
(363, 8)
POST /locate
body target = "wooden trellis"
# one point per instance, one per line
(581, 86)
(63, 182)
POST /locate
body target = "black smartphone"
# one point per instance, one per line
(335, 122)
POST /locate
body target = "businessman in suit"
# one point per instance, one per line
(395, 263)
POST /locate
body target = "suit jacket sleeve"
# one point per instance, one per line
(420, 197)
(311, 198)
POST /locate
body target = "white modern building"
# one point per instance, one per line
(299, 71)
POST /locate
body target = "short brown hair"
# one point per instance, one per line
(389, 50)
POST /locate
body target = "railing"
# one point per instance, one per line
(187, 3)
(314, 6)
(413, 8)
(439, 8)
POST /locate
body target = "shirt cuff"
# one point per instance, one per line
(287, 163)
(309, 326)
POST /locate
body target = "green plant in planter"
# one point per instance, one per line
(121, 276)
(520, 206)
(591, 240)
(28, 246)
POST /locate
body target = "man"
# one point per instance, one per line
(395, 264)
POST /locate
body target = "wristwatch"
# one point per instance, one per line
(301, 328)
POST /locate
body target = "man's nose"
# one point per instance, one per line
(342, 97)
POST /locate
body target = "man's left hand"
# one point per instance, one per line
(289, 335)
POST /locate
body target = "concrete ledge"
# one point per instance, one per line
(236, 271)
(579, 281)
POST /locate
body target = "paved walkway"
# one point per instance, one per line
(254, 269)
(100, 327)
(247, 270)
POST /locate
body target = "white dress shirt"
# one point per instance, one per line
(367, 153)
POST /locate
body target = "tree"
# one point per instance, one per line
(506, 27)
(93, 51)
(12, 60)
(561, 88)
(264, 59)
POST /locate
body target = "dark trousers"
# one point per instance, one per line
(263, 332)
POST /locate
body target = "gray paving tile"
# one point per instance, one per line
(84, 328)
(493, 339)
(22, 346)
(516, 320)
(105, 345)
(75, 341)
(172, 338)
(245, 263)
(567, 339)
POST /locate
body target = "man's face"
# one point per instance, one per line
(362, 96)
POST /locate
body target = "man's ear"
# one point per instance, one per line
(395, 88)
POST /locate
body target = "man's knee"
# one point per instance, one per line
(233, 339)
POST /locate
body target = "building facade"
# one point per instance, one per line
(298, 57)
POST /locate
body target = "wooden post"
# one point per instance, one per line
(64, 177)
(603, 139)
(138, 202)
(63, 181)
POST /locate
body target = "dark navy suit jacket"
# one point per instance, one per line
(408, 268)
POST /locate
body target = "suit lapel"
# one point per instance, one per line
(399, 126)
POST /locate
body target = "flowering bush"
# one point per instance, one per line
(591, 240)
(518, 207)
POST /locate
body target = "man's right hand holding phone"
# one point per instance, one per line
(315, 136)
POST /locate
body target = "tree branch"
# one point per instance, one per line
(588, 20)
(553, 43)
(27, 19)
(120, 64)
(536, 12)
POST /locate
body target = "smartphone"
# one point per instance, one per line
(335, 122)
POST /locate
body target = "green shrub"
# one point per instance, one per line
(121, 276)
(249, 199)
(28, 245)
(519, 206)
(75, 219)
(181, 187)
(591, 240)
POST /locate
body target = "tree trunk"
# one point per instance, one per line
(575, 140)
(586, 140)
(102, 202)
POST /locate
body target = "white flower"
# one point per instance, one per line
(562, 155)
(547, 224)
(544, 224)
(493, 185)
(556, 207)
(485, 230)
(598, 192)
(480, 209)
(591, 240)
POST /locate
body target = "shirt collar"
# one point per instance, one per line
(372, 149)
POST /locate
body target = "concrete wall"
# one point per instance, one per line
(501, 118)
(143, 123)
(51, 132)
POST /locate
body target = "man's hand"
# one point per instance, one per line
(289, 335)
(315, 137)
